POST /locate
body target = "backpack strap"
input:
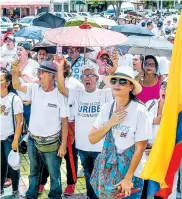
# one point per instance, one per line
(13, 112)
(151, 105)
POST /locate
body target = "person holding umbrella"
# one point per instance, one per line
(76, 61)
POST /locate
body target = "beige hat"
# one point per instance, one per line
(125, 72)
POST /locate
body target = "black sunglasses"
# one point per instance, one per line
(121, 81)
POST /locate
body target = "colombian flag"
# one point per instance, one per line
(166, 154)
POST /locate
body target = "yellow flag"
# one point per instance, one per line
(162, 150)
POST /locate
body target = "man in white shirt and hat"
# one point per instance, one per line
(48, 127)
(87, 105)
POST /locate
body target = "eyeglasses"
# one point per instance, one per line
(121, 81)
(146, 64)
(163, 86)
(89, 76)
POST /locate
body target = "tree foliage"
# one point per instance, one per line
(117, 6)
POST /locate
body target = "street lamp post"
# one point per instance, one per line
(62, 10)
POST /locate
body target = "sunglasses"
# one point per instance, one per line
(121, 81)
(146, 64)
(89, 76)
(163, 86)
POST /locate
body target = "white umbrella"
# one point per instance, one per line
(149, 46)
(104, 22)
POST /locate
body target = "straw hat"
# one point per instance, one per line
(125, 72)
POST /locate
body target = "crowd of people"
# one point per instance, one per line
(105, 111)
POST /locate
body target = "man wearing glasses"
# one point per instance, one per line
(87, 104)
(48, 127)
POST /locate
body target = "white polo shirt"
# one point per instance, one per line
(87, 108)
(46, 111)
(6, 117)
(134, 128)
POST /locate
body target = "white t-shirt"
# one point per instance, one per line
(8, 55)
(30, 69)
(134, 128)
(6, 118)
(73, 83)
(87, 108)
(164, 64)
(125, 60)
(46, 111)
(152, 114)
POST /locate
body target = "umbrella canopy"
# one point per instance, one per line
(149, 46)
(51, 48)
(104, 21)
(132, 29)
(32, 32)
(49, 20)
(85, 36)
(80, 20)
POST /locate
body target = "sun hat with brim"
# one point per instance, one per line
(125, 72)
(14, 160)
(48, 66)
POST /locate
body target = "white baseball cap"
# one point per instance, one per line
(14, 160)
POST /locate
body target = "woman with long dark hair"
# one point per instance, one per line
(149, 79)
(123, 124)
(11, 125)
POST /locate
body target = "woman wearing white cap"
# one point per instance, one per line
(123, 124)
(11, 113)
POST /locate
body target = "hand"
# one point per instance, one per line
(157, 120)
(15, 65)
(125, 186)
(114, 59)
(110, 70)
(117, 117)
(60, 62)
(62, 151)
(28, 102)
(14, 145)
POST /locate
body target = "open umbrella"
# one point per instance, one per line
(49, 20)
(31, 32)
(132, 29)
(85, 36)
(51, 48)
(149, 46)
(80, 20)
(104, 21)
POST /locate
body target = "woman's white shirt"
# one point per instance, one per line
(134, 128)
(6, 117)
(152, 114)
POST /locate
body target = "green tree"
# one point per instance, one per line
(117, 6)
